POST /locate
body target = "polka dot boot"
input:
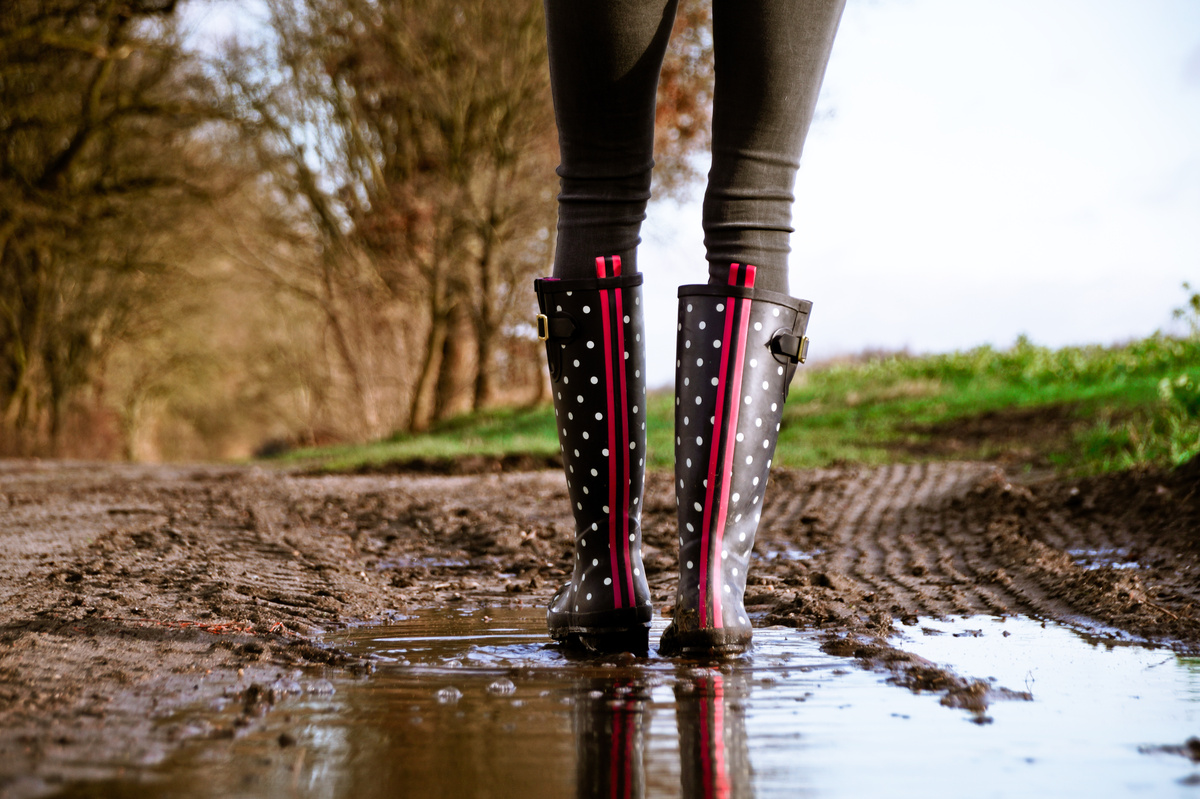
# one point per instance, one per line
(737, 350)
(593, 332)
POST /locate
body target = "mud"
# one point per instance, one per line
(129, 592)
(1015, 436)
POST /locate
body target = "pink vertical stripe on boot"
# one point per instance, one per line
(612, 435)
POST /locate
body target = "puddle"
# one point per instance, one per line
(1105, 557)
(478, 704)
(788, 552)
(406, 562)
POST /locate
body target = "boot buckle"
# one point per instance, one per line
(543, 327)
(792, 347)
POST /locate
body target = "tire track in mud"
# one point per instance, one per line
(961, 538)
(974, 589)
(881, 541)
(921, 566)
(858, 555)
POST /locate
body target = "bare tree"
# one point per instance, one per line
(302, 239)
(413, 145)
(457, 98)
(401, 136)
(98, 108)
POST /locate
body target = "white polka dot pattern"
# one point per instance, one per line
(730, 403)
(603, 442)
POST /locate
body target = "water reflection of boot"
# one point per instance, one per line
(736, 353)
(714, 756)
(593, 334)
(609, 734)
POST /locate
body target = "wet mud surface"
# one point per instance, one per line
(130, 592)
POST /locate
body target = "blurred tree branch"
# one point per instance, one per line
(98, 106)
(352, 204)
(419, 137)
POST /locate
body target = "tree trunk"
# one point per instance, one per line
(483, 373)
(421, 411)
(485, 330)
(453, 393)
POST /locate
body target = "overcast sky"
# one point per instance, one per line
(984, 169)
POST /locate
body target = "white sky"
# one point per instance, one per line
(979, 169)
(983, 169)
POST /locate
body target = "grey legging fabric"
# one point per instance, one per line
(605, 57)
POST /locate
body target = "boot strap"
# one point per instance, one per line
(791, 346)
(554, 327)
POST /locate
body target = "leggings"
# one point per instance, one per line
(605, 57)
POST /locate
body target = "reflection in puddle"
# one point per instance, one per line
(714, 753)
(611, 721)
(495, 709)
(480, 704)
(786, 718)
(610, 727)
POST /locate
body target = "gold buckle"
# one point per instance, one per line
(543, 327)
(803, 349)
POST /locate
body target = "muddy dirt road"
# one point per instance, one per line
(128, 592)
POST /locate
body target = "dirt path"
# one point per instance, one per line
(130, 592)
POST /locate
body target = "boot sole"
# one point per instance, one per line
(704, 643)
(626, 630)
(604, 642)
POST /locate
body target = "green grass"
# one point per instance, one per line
(873, 411)
(497, 432)
(1132, 404)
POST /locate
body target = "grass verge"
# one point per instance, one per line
(1078, 409)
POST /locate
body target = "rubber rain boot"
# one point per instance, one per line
(737, 350)
(593, 332)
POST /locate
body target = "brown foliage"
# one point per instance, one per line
(328, 232)
(684, 99)
(95, 161)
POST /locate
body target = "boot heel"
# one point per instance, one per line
(635, 640)
(709, 642)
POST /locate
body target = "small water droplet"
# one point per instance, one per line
(501, 687)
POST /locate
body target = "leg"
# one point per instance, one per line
(740, 337)
(605, 56)
(770, 59)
